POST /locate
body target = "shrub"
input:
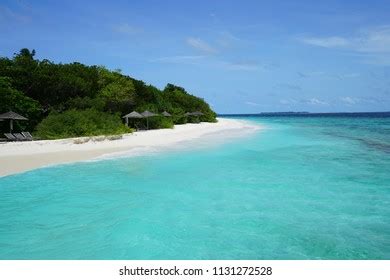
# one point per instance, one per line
(74, 123)
(160, 122)
(81, 140)
(14, 100)
(114, 137)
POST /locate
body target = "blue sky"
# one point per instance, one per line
(240, 56)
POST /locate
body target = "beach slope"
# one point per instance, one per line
(18, 157)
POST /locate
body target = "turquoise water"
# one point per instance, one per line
(303, 188)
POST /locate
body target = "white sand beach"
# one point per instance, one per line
(17, 157)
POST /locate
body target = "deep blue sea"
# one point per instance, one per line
(304, 187)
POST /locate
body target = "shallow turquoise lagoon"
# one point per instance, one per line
(303, 188)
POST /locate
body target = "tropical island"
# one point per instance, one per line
(77, 112)
(72, 100)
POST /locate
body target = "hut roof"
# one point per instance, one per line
(133, 115)
(166, 114)
(12, 116)
(147, 114)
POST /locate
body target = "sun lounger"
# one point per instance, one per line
(27, 135)
(140, 127)
(19, 137)
(10, 137)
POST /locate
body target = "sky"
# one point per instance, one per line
(240, 56)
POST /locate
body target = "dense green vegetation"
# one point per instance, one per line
(67, 100)
(73, 123)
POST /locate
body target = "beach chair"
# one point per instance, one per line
(10, 137)
(27, 135)
(139, 127)
(19, 137)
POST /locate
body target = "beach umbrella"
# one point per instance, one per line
(196, 114)
(12, 116)
(147, 115)
(132, 115)
(166, 114)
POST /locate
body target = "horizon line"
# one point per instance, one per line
(303, 113)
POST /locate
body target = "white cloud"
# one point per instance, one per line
(350, 100)
(376, 59)
(326, 42)
(7, 14)
(319, 74)
(250, 103)
(289, 86)
(200, 45)
(311, 74)
(215, 63)
(288, 101)
(179, 59)
(315, 101)
(308, 101)
(247, 65)
(227, 39)
(127, 29)
(241, 65)
(348, 75)
(24, 5)
(374, 40)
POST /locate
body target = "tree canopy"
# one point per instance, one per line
(39, 88)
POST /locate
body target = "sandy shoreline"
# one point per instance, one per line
(17, 157)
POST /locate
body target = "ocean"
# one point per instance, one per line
(304, 187)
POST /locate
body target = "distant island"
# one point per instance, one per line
(307, 114)
(70, 100)
(269, 114)
(283, 113)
